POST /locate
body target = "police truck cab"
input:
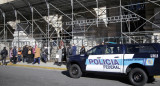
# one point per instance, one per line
(140, 62)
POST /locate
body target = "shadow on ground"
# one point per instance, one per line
(120, 78)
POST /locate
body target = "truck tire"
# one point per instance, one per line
(138, 77)
(75, 71)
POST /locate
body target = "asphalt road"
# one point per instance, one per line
(20, 76)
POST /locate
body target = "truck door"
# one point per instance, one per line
(95, 56)
(144, 54)
(113, 59)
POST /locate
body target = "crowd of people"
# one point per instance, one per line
(34, 55)
(26, 54)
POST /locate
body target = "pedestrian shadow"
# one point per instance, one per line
(4, 63)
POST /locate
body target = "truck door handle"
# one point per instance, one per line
(116, 57)
(98, 57)
(82, 58)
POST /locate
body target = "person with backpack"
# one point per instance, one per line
(4, 54)
(30, 54)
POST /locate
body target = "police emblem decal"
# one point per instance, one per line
(149, 62)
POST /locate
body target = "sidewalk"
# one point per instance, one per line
(48, 65)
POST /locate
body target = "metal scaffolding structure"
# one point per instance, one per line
(32, 12)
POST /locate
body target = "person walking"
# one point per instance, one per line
(14, 52)
(37, 55)
(74, 49)
(82, 50)
(4, 54)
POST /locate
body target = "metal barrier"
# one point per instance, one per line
(87, 42)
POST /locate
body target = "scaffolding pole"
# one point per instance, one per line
(121, 20)
(4, 27)
(48, 7)
(16, 16)
(141, 17)
(97, 12)
(32, 20)
(72, 17)
(4, 23)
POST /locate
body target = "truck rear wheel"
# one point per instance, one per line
(75, 71)
(138, 77)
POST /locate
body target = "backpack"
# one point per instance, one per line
(2, 52)
(29, 51)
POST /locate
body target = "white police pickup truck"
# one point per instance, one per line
(140, 62)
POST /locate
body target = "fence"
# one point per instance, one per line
(79, 41)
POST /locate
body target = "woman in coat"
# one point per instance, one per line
(37, 55)
(60, 56)
(82, 50)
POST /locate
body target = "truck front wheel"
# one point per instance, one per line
(75, 71)
(138, 77)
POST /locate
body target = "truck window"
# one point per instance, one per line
(141, 49)
(147, 49)
(112, 50)
(96, 51)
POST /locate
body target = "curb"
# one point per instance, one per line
(156, 76)
(31, 66)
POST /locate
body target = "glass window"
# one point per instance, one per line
(96, 51)
(112, 50)
(141, 49)
(147, 49)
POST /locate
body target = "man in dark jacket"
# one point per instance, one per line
(69, 52)
(64, 53)
(24, 53)
(14, 52)
(4, 54)
(74, 49)
(82, 50)
(44, 55)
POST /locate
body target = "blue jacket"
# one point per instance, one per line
(14, 52)
(74, 49)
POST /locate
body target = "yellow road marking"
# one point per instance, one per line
(156, 76)
(32, 66)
